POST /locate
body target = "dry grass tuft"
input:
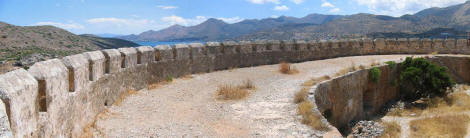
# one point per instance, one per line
(458, 101)
(187, 77)
(344, 71)
(442, 126)
(121, 97)
(362, 67)
(301, 96)
(309, 117)
(435, 53)
(374, 63)
(314, 81)
(303, 93)
(229, 92)
(392, 130)
(286, 68)
(247, 84)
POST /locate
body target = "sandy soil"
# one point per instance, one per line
(188, 108)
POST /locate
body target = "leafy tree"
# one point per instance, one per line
(420, 79)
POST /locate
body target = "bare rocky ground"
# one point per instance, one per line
(188, 108)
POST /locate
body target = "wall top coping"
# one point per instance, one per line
(196, 45)
(129, 50)
(53, 67)
(181, 46)
(229, 43)
(112, 52)
(163, 47)
(75, 61)
(142, 49)
(213, 44)
(14, 81)
(94, 55)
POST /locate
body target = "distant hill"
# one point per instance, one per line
(423, 23)
(434, 33)
(317, 26)
(214, 29)
(28, 44)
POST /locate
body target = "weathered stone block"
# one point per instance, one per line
(53, 90)
(113, 60)
(182, 52)
(426, 46)
(230, 47)
(18, 92)
(461, 43)
(379, 44)
(164, 53)
(313, 45)
(438, 44)
(449, 43)
(129, 57)
(260, 46)
(78, 72)
(214, 48)
(246, 47)
(145, 54)
(96, 64)
(198, 50)
(273, 45)
(302, 45)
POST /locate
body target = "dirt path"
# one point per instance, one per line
(187, 107)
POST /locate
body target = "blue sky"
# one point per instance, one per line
(136, 16)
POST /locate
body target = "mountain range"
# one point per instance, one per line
(315, 26)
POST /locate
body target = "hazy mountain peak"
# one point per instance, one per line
(213, 21)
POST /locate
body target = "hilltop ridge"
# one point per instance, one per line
(316, 26)
(28, 44)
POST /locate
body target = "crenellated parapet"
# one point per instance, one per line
(60, 97)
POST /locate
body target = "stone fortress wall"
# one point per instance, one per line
(60, 97)
(354, 97)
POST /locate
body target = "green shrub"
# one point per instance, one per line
(391, 64)
(374, 74)
(169, 78)
(421, 78)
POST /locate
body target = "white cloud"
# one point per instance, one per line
(264, 1)
(231, 20)
(122, 25)
(119, 21)
(335, 10)
(183, 21)
(166, 7)
(281, 8)
(297, 1)
(400, 7)
(327, 4)
(69, 26)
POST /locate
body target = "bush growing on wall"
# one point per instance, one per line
(421, 79)
(374, 74)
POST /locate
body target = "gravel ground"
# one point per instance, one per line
(188, 108)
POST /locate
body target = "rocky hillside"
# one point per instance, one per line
(24, 45)
(317, 26)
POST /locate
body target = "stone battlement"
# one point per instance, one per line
(60, 97)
